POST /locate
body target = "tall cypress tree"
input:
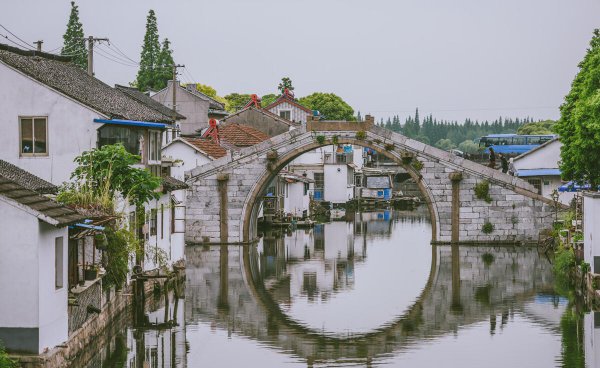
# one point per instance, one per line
(164, 70)
(74, 43)
(146, 77)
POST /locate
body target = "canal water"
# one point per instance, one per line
(369, 291)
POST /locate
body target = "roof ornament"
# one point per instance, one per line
(254, 101)
(288, 93)
(212, 131)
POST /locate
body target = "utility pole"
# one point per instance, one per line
(174, 89)
(91, 41)
(39, 45)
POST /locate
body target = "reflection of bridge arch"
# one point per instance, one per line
(450, 300)
(447, 182)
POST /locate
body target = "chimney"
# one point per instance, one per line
(190, 86)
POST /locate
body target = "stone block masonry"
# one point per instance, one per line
(515, 210)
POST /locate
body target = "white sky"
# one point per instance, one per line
(455, 59)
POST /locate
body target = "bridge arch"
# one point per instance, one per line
(221, 202)
(251, 206)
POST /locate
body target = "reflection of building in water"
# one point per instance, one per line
(161, 343)
(591, 330)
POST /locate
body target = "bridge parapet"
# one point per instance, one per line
(314, 124)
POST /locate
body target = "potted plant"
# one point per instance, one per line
(90, 272)
(101, 241)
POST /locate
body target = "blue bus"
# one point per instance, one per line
(513, 144)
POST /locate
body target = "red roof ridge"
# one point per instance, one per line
(284, 98)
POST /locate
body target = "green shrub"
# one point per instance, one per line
(487, 228)
(5, 361)
(361, 135)
(418, 165)
(120, 244)
(335, 139)
(564, 261)
(487, 258)
(482, 191)
(585, 267)
(321, 139)
(389, 147)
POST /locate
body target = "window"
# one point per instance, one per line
(58, 263)
(34, 134)
(129, 137)
(156, 170)
(319, 180)
(305, 188)
(537, 183)
(286, 114)
(162, 221)
(153, 220)
(154, 146)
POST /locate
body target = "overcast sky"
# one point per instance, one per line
(455, 59)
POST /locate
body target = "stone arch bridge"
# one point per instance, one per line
(224, 195)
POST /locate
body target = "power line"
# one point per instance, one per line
(18, 38)
(112, 44)
(11, 41)
(110, 52)
(108, 57)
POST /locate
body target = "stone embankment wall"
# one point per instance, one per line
(223, 198)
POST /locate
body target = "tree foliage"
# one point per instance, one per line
(286, 83)
(155, 61)
(468, 146)
(5, 361)
(445, 144)
(579, 123)
(73, 39)
(235, 101)
(538, 127)
(266, 100)
(109, 170)
(331, 106)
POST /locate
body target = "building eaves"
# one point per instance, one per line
(283, 98)
(72, 81)
(148, 101)
(40, 206)
(26, 179)
(170, 184)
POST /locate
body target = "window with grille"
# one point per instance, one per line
(537, 183)
(286, 114)
(153, 221)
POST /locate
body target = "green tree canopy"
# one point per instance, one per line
(468, 146)
(73, 39)
(330, 105)
(151, 74)
(579, 123)
(445, 144)
(286, 83)
(164, 71)
(235, 101)
(266, 100)
(538, 127)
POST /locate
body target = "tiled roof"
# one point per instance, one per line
(206, 146)
(42, 207)
(74, 82)
(241, 135)
(26, 179)
(148, 101)
(284, 98)
(169, 183)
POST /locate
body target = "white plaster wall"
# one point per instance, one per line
(336, 183)
(339, 238)
(546, 157)
(19, 273)
(53, 313)
(295, 202)
(191, 158)
(71, 129)
(173, 245)
(296, 114)
(591, 230)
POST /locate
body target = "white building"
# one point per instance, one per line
(287, 108)
(540, 168)
(53, 111)
(296, 201)
(33, 266)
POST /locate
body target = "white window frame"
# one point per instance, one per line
(33, 154)
(286, 110)
(154, 137)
